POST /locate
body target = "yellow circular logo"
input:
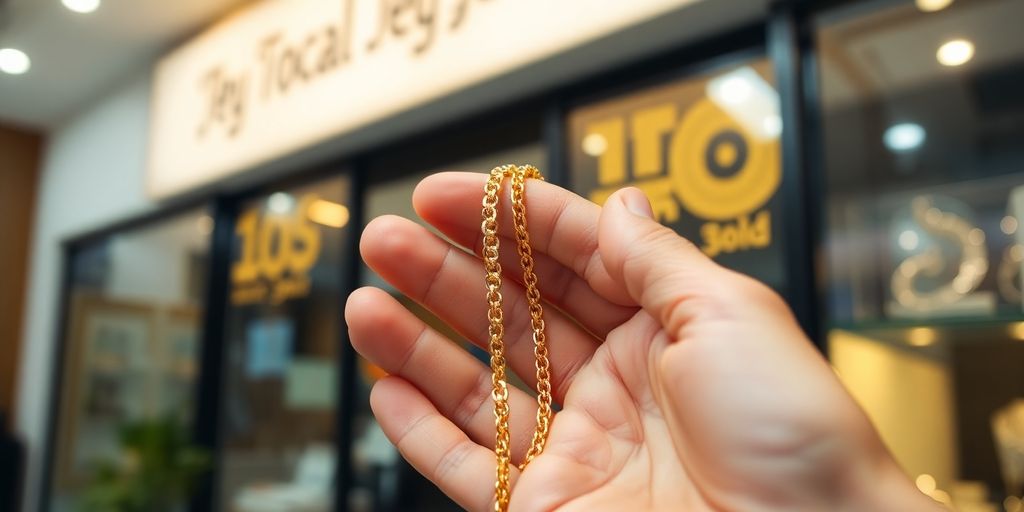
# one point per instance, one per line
(718, 170)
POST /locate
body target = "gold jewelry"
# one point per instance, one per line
(496, 330)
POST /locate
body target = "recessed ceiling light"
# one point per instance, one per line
(82, 6)
(14, 62)
(955, 53)
(904, 137)
(933, 5)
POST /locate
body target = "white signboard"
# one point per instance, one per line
(284, 74)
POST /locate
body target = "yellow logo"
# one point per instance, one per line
(707, 162)
(277, 251)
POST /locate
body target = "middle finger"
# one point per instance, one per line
(450, 282)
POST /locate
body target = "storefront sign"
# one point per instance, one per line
(277, 249)
(706, 152)
(285, 74)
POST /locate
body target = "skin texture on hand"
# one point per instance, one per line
(683, 385)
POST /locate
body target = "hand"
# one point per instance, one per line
(684, 385)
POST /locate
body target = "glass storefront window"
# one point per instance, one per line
(130, 363)
(705, 150)
(923, 123)
(283, 335)
(381, 480)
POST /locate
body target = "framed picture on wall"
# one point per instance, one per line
(176, 357)
(107, 363)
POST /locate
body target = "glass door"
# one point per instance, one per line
(129, 366)
(279, 421)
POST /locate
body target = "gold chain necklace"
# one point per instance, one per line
(496, 330)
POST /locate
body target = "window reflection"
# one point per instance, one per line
(283, 336)
(925, 181)
(130, 366)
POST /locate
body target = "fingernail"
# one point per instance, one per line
(636, 202)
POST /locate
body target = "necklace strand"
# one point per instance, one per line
(496, 330)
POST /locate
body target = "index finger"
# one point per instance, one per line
(562, 225)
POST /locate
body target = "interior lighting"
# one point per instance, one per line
(82, 6)
(280, 202)
(921, 336)
(328, 213)
(933, 5)
(955, 53)
(904, 137)
(1017, 330)
(14, 62)
(595, 144)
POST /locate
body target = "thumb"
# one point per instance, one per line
(660, 270)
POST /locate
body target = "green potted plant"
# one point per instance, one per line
(156, 471)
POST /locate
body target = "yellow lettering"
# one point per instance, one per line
(739, 235)
(648, 127)
(246, 268)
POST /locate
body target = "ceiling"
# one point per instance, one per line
(79, 57)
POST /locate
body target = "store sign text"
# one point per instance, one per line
(277, 250)
(282, 75)
(283, 63)
(699, 159)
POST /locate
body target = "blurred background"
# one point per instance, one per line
(182, 185)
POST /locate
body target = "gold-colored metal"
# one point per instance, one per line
(496, 329)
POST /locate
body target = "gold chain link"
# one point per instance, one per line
(496, 329)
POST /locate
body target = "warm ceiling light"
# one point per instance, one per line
(82, 6)
(328, 213)
(921, 336)
(14, 62)
(955, 53)
(903, 137)
(933, 5)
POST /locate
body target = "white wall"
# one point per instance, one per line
(93, 173)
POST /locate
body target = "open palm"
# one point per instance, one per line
(684, 386)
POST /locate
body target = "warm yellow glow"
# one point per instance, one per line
(942, 497)
(921, 336)
(82, 6)
(925, 483)
(955, 53)
(595, 144)
(329, 214)
(933, 5)
(1008, 225)
(1017, 330)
